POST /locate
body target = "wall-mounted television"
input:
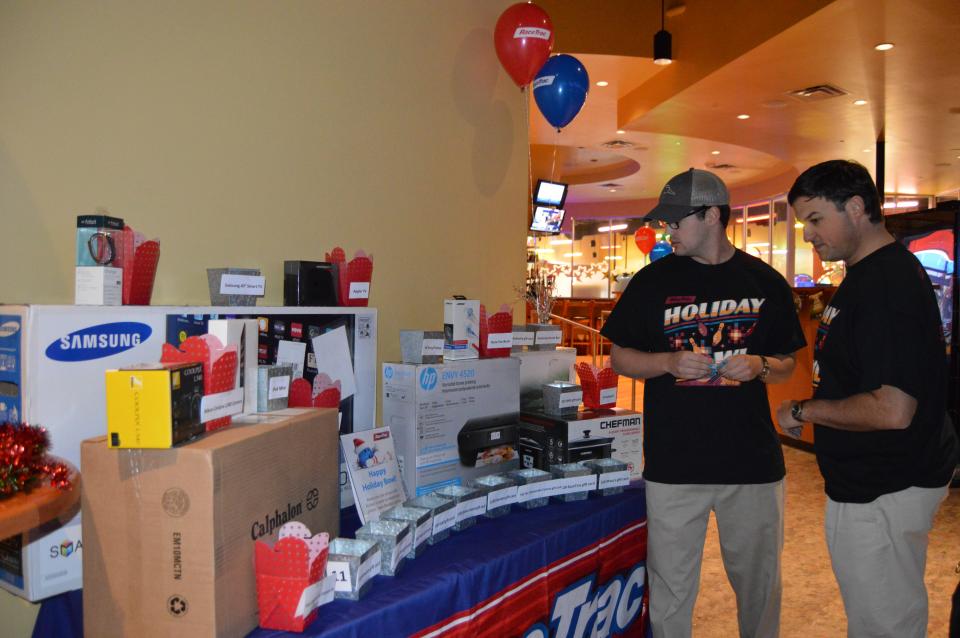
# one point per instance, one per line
(549, 193)
(547, 219)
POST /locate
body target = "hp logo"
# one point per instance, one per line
(428, 379)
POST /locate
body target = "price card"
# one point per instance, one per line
(319, 593)
(359, 290)
(608, 395)
(500, 340)
(571, 399)
(444, 520)
(340, 570)
(432, 348)
(575, 484)
(523, 338)
(501, 497)
(547, 337)
(279, 387)
(369, 568)
(473, 507)
(242, 285)
(614, 479)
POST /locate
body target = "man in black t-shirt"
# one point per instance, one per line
(707, 327)
(884, 445)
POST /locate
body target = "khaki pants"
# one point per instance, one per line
(879, 552)
(750, 522)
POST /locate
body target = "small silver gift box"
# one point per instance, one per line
(608, 466)
(273, 387)
(470, 504)
(214, 278)
(571, 470)
(355, 562)
(561, 398)
(421, 525)
(444, 514)
(395, 538)
(421, 346)
(503, 489)
(527, 476)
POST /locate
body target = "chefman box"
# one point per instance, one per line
(546, 440)
(52, 365)
(452, 422)
(169, 534)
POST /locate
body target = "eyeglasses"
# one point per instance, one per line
(676, 225)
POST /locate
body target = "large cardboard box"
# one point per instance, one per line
(546, 440)
(52, 364)
(169, 535)
(452, 422)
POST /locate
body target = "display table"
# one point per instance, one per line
(566, 566)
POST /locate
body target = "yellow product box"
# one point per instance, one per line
(154, 406)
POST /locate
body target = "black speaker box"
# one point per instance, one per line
(309, 283)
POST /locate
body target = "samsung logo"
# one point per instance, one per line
(96, 342)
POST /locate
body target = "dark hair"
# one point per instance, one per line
(724, 213)
(837, 181)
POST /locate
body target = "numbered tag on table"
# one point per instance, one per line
(340, 570)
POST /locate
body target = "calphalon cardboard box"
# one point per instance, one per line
(546, 440)
(452, 422)
(169, 534)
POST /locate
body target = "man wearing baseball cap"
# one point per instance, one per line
(707, 328)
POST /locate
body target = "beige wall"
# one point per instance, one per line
(246, 133)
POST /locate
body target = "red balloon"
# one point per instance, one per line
(645, 238)
(523, 38)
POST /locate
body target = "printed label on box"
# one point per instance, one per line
(608, 395)
(423, 532)
(501, 497)
(614, 479)
(340, 570)
(444, 520)
(359, 290)
(500, 340)
(319, 593)
(523, 338)
(279, 387)
(571, 399)
(473, 507)
(369, 568)
(221, 404)
(432, 348)
(547, 337)
(242, 285)
(403, 548)
(575, 484)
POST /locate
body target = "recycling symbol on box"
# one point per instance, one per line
(177, 606)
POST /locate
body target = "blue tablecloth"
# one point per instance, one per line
(512, 571)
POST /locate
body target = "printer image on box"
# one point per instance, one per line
(488, 440)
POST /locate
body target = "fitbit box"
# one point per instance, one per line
(452, 422)
(310, 283)
(545, 440)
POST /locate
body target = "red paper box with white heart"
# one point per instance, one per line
(289, 583)
(496, 332)
(219, 376)
(353, 277)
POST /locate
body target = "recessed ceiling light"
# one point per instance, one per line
(867, 150)
(884, 46)
(743, 116)
(859, 102)
(620, 131)
(603, 83)
(714, 152)
(613, 190)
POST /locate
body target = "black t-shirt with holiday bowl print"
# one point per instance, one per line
(710, 431)
(883, 327)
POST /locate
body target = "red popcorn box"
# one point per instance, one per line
(289, 586)
(323, 394)
(138, 258)
(353, 277)
(599, 386)
(219, 367)
(496, 332)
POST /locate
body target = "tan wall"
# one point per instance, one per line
(245, 133)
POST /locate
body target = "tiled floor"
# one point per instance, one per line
(812, 607)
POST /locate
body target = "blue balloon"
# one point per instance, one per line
(660, 249)
(560, 89)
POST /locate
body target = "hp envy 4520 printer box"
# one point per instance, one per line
(452, 422)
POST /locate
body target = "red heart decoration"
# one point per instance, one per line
(301, 394)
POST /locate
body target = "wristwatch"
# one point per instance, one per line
(796, 410)
(764, 369)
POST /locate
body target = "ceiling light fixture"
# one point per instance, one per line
(743, 116)
(714, 152)
(603, 83)
(662, 41)
(620, 131)
(867, 150)
(573, 254)
(884, 46)
(607, 229)
(859, 102)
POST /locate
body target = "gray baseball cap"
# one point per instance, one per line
(687, 192)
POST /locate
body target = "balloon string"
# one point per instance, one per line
(526, 115)
(553, 167)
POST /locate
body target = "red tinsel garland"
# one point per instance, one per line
(24, 461)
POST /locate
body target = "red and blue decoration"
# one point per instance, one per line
(523, 39)
(560, 89)
(24, 462)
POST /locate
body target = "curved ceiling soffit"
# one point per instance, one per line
(579, 165)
